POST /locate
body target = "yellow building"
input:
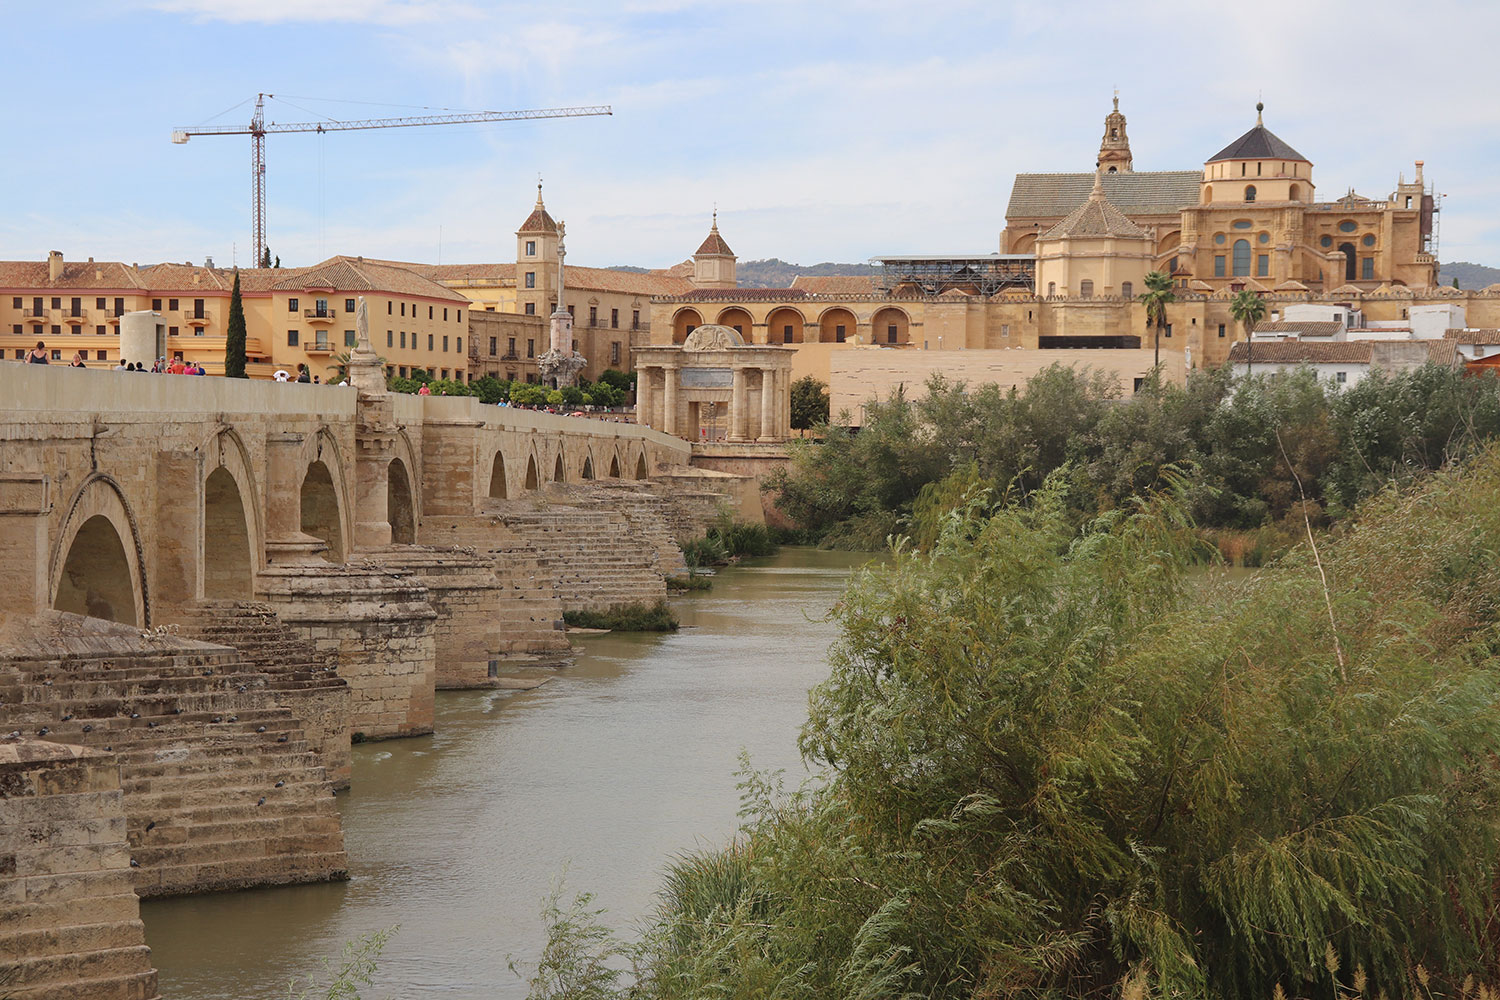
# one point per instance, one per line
(292, 315)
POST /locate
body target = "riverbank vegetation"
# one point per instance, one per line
(657, 617)
(727, 541)
(1256, 462)
(1057, 769)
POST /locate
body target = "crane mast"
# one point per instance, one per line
(258, 129)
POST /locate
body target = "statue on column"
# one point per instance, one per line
(366, 373)
(559, 366)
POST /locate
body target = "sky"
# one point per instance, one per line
(821, 130)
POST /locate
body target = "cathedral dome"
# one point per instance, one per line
(1260, 143)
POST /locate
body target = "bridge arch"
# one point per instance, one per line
(641, 471)
(498, 486)
(97, 569)
(400, 503)
(614, 464)
(533, 478)
(559, 471)
(232, 526)
(587, 472)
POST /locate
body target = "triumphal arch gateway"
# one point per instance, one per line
(713, 372)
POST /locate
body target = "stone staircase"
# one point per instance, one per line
(221, 787)
(301, 678)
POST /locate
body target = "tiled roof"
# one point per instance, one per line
(1485, 336)
(835, 284)
(80, 274)
(1298, 352)
(538, 221)
(1260, 143)
(1046, 196)
(1095, 217)
(355, 274)
(603, 279)
(1312, 328)
(1443, 352)
(498, 273)
(714, 244)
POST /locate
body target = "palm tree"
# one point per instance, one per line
(1248, 309)
(1157, 296)
(341, 361)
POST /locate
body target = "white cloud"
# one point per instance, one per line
(390, 13)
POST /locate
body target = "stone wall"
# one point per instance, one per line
(70, 922)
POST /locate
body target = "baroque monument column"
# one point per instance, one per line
(739, 410)
(767, 404)
(669, 399)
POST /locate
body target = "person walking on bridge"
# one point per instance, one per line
(77, 360)
(37, 355)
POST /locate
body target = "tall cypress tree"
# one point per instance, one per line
(234, 342)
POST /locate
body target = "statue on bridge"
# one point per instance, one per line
(366, 373)
(559, 366)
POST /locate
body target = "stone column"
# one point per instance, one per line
(669, 400)
(25, 503)
(739, 410)
(768, 404)
(643, 395)
(285, 542)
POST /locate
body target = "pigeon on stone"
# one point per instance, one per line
(43, 731)
(151, 826)
(281, 738)
(262, 801)
(261, 729)
(151, 725)
(135, 715)
(234, 718)
(279, 784)
(218, 719)
(67, 718)
(88, 729)
(134, 863)
(242, 689)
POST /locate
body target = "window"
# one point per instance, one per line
(786, 334)
(16, 328)
(349, 338)
(444, 375)
(56, 354)
(593, 315)
(1326, 241)
(1221, 331)
(1347, 226)
(291, 338)
(1086, 288)
(57, 330)
(494, 342)
(1218, 265)
(1051, 289)
(75, 307)
(1367, 269)
(445, 341)
(1219, 238)
(15, 303)
(119, 306)
(429, 313)
(1242, 224)
(570, 310)
(403, 339)
(156, 305)
(98, 303)
(614, 319)
(1167, 331)
(1369, 240)
(101, 355)
(172, 305)
(458, 344)
(530, 279)
(530, 348)
(348, 305)
(445, 314)
(1341, 377)
(171, 331)
(460, 315)
(389, 309)
(291, 305)
(57, 301)
(635, 319)
(403, 308)
(531, 308)
(1262, 265)
(402, 370)
(614, 353)
(1241, 258)
(390, 338)
(20, 354)
(1408, 201)
(510, 349)
(890, 334)
(531, 248)
(1127, 292)
(429, 341)
(1263, 238)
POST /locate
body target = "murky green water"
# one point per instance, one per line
(623, 760)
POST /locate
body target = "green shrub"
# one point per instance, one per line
(656, 617)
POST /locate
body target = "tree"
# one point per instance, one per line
(340, 366)
(265, 257)
(809, 403)
(1248, 309)
(1455, 282)
(1157, 296)
(234, 339)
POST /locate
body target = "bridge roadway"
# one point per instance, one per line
(136, 498)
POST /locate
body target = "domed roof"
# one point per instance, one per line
(1096, 217)
(1260, 143)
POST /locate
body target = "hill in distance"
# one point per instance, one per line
(1471, 276)
(776, 273)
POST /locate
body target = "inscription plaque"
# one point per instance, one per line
(707, 378)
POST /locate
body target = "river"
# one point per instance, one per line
(625, 759)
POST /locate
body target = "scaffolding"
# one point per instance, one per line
(973, 274)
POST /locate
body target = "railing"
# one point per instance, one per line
(510, 356)
(111, 313)
(35, 314)
(193, 317)
(319, 347)
(70, 315)
(600, 323)
(327, 313)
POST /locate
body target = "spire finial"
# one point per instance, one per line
(1260, 106)
(538, 190)
(1117, 98)
(715, 226)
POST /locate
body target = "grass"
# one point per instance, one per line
(727, 541)
(692, 581)
(626, 618)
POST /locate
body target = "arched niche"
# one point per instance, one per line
(559, 472)
(641, 472)
(497, 478)
(320, 510)
(399, 504)
(614, 466)
(228, 560)
(533, 480)
(588, 467)
(96, 563)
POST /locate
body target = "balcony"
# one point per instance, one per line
(112, 314)
(195, 319)
(326, 314)
(510, 356)
(320, 346)
(75, 317)
(34, 315)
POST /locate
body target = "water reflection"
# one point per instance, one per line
(622, 761)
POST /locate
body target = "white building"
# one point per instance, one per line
(1342, 362)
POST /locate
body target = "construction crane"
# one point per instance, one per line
(258, 129)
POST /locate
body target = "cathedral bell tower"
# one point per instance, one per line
(1114, 149)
